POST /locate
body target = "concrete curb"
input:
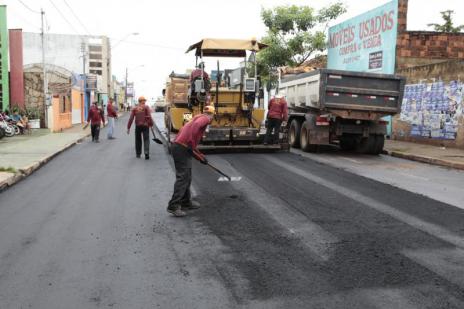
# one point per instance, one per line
(425, 159)
(28, 170)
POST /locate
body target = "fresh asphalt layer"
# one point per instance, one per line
(90, 230)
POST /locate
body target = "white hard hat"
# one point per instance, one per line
(280, 95)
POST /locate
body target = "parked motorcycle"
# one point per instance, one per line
(10, 130)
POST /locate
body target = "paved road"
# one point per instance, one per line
(89, 230)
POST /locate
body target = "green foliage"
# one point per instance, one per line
(33, 113)
(448, 25)
(7, 169)
(294, 33)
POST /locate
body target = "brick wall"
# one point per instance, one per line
(424, 57)
(424, 47)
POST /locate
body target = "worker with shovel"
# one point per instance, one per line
(182, 149)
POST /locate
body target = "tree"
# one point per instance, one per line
(294, 34)
(448, 26)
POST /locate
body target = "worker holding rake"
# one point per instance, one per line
(182, 149)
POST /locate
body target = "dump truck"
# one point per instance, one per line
(235, 93)
(175, 93)
(340, 107)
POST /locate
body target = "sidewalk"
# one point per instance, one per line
(448, 157)
(23, 154)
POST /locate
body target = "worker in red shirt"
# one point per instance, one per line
(95, 118)
(276, 114)
(183, 148)
(143, 121)
(111, 114)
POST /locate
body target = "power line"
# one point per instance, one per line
(27, 7)
(65, 19)
(20, 16)
(77, 18)
(153, 45)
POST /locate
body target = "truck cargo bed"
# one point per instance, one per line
(326, 89)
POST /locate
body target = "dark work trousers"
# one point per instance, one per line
(95, 129)
(139, 132)
(183, 164)
(272, 132)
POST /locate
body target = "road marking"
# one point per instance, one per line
(427, 227)
(413, 176)
(319, 241)
(351, 160)
(448, 263)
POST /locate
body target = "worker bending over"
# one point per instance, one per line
(183, 148)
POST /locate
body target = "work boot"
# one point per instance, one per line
(176, 212)
(147, 157)
(137, 156)
(191, 205)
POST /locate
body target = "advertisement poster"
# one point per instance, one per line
(365, 43)
(433, 109)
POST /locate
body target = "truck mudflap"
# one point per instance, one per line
(319, 136)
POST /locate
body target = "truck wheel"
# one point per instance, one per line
(294, 134)
(348, 142)
(305, 139)
(366, 145)
(379, 143)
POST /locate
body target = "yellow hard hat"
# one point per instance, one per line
(209, 109)
(142, 98)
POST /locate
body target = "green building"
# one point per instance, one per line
(4, 85)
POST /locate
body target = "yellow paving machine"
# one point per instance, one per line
(235, 94)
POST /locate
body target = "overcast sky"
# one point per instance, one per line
(167, 28)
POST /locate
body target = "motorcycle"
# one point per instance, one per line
(9, 130)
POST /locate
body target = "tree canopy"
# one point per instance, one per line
(448, 25)
(294, 34)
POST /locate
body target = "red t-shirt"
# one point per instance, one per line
(95, 115)
(142, 116)
(278, 109)
(197, 73)
(110, 111)
(191, 133)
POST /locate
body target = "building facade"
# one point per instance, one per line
(16, 69)
(81, 54)
(4, 83)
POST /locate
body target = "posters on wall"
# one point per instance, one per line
(433, 109)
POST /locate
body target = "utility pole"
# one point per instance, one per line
(84, 58)
(44, 70)
(84, 76)
(125, 90)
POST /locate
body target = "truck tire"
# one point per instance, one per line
(364, 144)
(294, 133)
(367, 145)
(305, 139)
(379, 143)
(348, 142)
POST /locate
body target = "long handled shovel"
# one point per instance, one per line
(155, 139)
(225, 176)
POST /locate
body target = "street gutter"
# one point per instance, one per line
(425, 159)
